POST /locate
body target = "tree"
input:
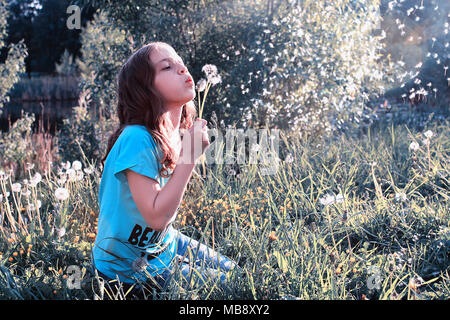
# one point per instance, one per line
(14, 64)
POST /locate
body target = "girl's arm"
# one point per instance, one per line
(157, 205)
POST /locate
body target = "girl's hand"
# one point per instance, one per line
(195, 142)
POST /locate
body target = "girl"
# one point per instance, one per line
(146, 172)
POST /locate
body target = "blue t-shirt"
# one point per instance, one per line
(125, 245)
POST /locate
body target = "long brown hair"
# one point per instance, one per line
(140, 103)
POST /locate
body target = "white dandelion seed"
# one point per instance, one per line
(201, 85)
(60, 232)
(215, 80)
(88, 170)
(414, 146)
(35, 179)
(71, 173)
(209, 70)
(29, 166)
(428, 134)
(16, 187)
(289, 158)
(76, 165)
(61, 194)
(79, 175)
(400, 196)
(65, 165)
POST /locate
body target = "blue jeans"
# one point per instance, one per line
(198, 263)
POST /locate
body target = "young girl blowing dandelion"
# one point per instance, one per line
(146, 171)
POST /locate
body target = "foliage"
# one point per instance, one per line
(385, 237)
(77, 138)
(14, 64)
(67, 64)
(16, 146)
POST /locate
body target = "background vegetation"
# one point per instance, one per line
(358, 207)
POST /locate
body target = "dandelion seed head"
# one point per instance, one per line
(16, 187)
(61, 194)
(76, 165)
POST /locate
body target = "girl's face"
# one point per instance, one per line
(171, 76)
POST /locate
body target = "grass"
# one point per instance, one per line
(386, 236)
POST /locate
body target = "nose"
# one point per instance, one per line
(183, 69)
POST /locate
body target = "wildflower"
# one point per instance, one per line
(210, 70)
(330, 199)
(76, 165)
(61, 232)
(289, 158)
(428, 134)
(36, 179)
(16, 187)
(426, 141)
(414, 146)
(201, 85)
(211, 74)
(88, 170)
(66, 165)
(79, 175)
(3, 175)
(415, 282)
(61, 194)
(400, 196)
(72, 174)
(29, 166)
(273, 236)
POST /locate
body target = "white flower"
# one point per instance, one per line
(76, 165)
(79, 175)
(426, 141)
(61, 194)
(72, 174)
(61, 231)
(400, 196)
(428, 134)
(210, 70)
(88, 170)
(330, 199)
(16, 187)
(29, 166)
(289, 158)
(215, 80)
(201, 85)
(36, 179)
(211, 74)
(414, 146)
(65, 165)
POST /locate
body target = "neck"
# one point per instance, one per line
(175, 118)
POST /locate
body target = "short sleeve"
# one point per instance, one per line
(138, 152)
